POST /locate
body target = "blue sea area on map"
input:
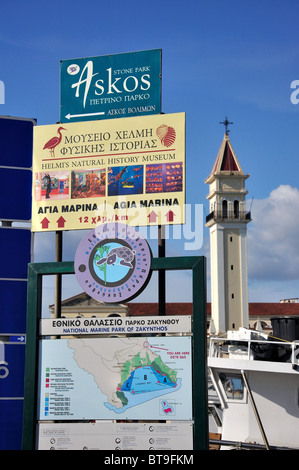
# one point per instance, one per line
(146, 379)
(145, 384)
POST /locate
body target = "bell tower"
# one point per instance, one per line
(227, 222)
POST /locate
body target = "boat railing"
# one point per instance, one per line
(255, 349)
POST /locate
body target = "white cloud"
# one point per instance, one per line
(273, 248)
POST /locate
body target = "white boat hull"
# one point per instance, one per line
(272, 417)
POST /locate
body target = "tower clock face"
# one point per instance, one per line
(112, 263)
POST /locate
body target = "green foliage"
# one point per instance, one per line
(101, 253)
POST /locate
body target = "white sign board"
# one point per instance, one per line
(146, 378)
(115, 436)
(116, 325)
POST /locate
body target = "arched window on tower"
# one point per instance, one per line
(224, 209)
(236, 210)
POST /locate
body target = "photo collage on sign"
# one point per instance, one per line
(165, 177)
(113, 181)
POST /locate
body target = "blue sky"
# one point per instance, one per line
(233, 58)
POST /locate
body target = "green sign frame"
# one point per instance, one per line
(197, 264)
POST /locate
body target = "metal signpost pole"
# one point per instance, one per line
(162, 274)
(58, 278)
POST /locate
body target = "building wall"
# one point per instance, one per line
(232, 268)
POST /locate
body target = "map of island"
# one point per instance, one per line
(116, 378)
(136, 372)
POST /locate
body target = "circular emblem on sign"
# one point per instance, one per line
(112, 263)
(73, 69)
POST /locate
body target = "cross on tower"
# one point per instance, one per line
(226, 123)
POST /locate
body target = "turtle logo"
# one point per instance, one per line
(113, 263)
(124, 253)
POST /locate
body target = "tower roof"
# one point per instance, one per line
(226, 160)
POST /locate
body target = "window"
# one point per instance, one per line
(224, 209)
(233, 385)
(236, 210)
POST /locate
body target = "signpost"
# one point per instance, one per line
(12, 371)
(116, 325)
(112, 86)
(110, 175)
(112, 263)
(53, 389)
(16, 135)
(144, 378)
(124, 170)
(118, 436)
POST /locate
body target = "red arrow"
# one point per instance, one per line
(169, 216)
(152, 216)
(61, 221)
(45, 222)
